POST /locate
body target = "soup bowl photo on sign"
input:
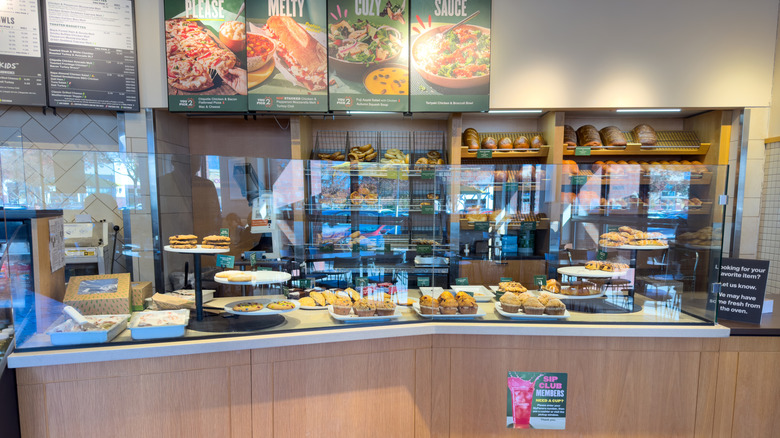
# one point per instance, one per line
(355, 47)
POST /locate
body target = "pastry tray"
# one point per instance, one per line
(353, 318)
(522, 316)
(480, 313)
(159, 331)
(86, 337)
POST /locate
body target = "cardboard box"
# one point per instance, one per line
(140, 290)
(99, 294)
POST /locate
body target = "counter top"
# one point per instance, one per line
(769, 326)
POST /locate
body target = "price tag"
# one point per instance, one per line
(485, 153)
(427, 209)
(388, 248)
(424, 250)
(225, 261)
(306, 283)
(505, 279)
(540, 280)
(423, 281)
(613, 228)
(361, 281)
(462, 281)
(579, 180)
(601, 255)
(355, 247)
(427, 174)
(328, 247)
(481, 226)
(511, 187)
(528, 226)
(252, 259)
(582, 151)
(224, 232)
(263, 268)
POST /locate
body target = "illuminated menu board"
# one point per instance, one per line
(21, 60)
(90, 54)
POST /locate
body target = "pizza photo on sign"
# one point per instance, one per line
(200, 62)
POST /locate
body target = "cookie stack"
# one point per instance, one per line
(183, 241)
(216, 242)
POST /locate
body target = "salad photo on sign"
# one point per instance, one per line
(368, 56)
(450, 56)
(205, 48)
(287, 61)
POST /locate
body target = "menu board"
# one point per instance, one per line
(287, 61)
(368, 62)
(450, 72)
(90, 54)
(21, 61)
(205, 42)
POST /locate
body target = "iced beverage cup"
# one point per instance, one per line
(522, 392)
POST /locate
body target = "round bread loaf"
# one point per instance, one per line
(521, 143)
(505, 143)
(489, 143)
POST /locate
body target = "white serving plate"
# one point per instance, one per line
(481, 293)
(160, 331)
(431, 261)
(264, 311)
(258, 277)
(352, 318)
(197, 250)
(582, 272)
(559, 296)
(637, 247)
(480, 313)
(522, 316)
(88, 337)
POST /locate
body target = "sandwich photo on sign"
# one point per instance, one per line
(287, 61)
(450, 62)
(368, 61)
(205, 44)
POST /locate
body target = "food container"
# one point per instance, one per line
(60, 332)
(159, 324)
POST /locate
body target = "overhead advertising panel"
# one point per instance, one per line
(287, 59)
(368, 58)
(205, 43)
(450, 67)
(91, 54)
(21, 58)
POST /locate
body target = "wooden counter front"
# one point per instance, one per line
(421, 386)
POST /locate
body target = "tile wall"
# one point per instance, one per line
(769, 233)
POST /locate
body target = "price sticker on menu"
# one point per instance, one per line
(582, 151)
(224, 232)
(540, 280)
(226, 261)
(427, 174)
(601, 255)
(423, 281)
(506, 279)
(462, 281)
(485, 154)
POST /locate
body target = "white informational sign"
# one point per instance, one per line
(105, 23)
(19, 28)
(56, 244)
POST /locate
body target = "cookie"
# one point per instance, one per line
(248, 307)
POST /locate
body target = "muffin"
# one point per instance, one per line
(342, 306)
(555, 307)
(510, 302)
(446, 295)
(428, 305)
(524, 296)
(448, 306)
(532, 306)
(467, 305)
(460, 295)
(544, 297)
(364, 307)
(385, 308)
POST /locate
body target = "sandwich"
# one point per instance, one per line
(306, 59)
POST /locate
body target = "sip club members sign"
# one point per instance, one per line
(287, 59)
(205, 43)
(450, 72)
(368, 66)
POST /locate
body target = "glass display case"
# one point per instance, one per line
(625, 244)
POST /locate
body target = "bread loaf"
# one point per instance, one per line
(489, 143)
(569, 136)
(612, 136)
(537, 141)
(505, 143)
(645, 134)
(521, 143)
(588, 135)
